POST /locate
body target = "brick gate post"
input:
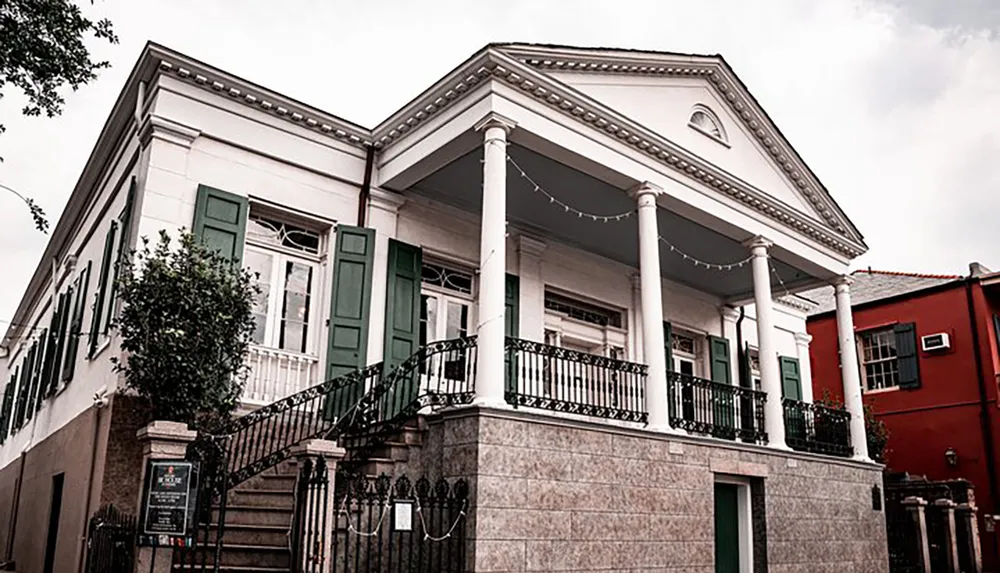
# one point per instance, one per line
(947, 507)
(967, 514)
(160, 440)
(315, 514)
(917, 508)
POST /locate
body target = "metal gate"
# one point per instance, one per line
(386, 526)
(110, 542)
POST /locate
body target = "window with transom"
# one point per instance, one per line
(285, 258)
(685, 352)
(446, 302)
(879, 364)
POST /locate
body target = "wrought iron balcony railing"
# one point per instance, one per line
(563, 380)
(713, 409)
(817, 429)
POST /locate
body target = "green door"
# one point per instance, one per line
(727, 529)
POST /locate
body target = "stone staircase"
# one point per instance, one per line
(259, 511)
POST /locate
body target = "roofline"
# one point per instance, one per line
(925, 291)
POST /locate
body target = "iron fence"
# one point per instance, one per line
(817, 429)
(309, 522)
(386, 526)
(563, 380)
(111, 541)
(719, 410)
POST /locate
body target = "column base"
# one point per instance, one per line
(863, 459)
(780, 447)
(491, 402)
(666, 429)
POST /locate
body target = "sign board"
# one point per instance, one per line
(168, 499)
(403, 515)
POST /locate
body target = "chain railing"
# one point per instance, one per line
(817, 429)
(563, 380)
(714, 409)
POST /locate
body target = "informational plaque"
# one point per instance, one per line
(168, 501)
(403, 515)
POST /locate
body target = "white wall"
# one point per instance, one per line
(90, 374)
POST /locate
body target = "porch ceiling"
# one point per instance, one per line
(459, 183)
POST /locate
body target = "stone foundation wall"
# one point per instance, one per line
(557, 495)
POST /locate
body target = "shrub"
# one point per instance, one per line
(185, 325)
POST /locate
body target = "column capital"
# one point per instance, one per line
(494, 119)
(803, 338)
(645, 188)
(843, 283)
(759, 246)
(729, 314)
(385, 200)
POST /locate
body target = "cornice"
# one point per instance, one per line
(277, 106)
(496, 65)
(584, 110)
(156, 127)
(728, 87)
(792, 302)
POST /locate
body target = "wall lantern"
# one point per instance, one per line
(951, 456)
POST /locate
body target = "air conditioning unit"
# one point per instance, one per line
(932, 342)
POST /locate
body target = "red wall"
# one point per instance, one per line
(945, 411)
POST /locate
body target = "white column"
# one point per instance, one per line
(770, 375)
(635, 330)
(802, 340)
(849, 371)
(383, 213)
(492, 262)
(652, 307)
(531, 320)
(729, 317)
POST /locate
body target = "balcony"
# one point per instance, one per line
(563, 380)
(817, 429)
(275, 374)
(718, 410)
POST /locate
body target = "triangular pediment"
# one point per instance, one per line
(662, 91)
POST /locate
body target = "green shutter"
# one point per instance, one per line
(727, 528)
(220, 221)
(723, 404)
(31, 363)
(402, 305)
(791, 380)
(906, 355)
(102, 287)
(718, 352)
(59, 326)
(5, 409)
(125, 220)
(22, 395)
(511, 314)
(350, 306)
(76, 324)
(668, 334)
(38, 385)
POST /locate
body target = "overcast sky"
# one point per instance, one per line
(895, 104)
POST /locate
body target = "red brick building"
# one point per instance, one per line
(928, 353)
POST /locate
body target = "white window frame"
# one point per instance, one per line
(281, 255)
(697, 359)
(744, 513)
(863, 363)
(609, 341)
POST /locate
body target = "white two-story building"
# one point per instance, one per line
(622, 232)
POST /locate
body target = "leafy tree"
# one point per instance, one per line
(186, 325)
(42, 50)
(875, 429)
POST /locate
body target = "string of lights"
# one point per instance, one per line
(619, 217)
(566, 207)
